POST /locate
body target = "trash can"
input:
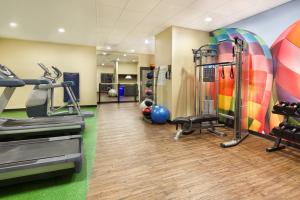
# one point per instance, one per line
(121, 90)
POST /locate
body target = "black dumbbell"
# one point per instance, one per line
(298, 110)
(280, 106)
(289, 132)
(278, 131)
(291, 109)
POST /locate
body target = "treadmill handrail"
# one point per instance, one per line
(35, 81)
(11, 82)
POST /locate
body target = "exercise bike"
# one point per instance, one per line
(41, 101)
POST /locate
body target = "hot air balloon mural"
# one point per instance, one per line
(259, 61)
(286, 56)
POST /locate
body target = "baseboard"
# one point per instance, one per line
(269, 137)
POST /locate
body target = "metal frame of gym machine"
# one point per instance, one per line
(210, 50)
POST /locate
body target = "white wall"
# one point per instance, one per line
(270, 24)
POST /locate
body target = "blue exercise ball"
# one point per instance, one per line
(160, 114)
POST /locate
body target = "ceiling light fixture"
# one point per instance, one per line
(102, 64)
(61, 30)
(104, 53)
(118, 59)
(13, 24)
(108, 48)
(125, 55)
(133, 60)
(132, 50)
(208, 19)
(146, 41)
(128, 77)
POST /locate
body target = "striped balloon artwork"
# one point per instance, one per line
(286, 56)
(257, 64)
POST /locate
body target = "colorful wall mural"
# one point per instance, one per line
(259, 60)
(286, 59)
(274, 74)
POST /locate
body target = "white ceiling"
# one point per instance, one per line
(121, 24)
(108, 58)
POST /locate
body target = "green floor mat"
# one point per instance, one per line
(59, 188)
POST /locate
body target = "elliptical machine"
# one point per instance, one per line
(41, 100)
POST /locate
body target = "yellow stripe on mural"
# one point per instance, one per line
(225, 102)
(254, 109)
(255, 125)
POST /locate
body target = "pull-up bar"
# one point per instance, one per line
(217, 64)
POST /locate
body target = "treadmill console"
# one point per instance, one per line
(6, 73)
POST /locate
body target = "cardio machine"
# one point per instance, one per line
(32, 127)
(41, 101)
(37, 158)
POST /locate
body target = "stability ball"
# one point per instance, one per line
(112, 93)
(160, 114)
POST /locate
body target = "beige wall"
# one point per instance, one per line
(128, 68)
(174, 46)
(163, 56)
(184, 40)
(145, 60)
(22, 57)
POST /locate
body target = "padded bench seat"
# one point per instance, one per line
(195, 119)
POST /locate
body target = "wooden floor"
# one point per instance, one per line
(136, 160)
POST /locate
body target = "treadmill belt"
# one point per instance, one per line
(21, 151)
(40, 121)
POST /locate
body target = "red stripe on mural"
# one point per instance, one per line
(288, 80)
(289, 55)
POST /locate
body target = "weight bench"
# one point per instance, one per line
(186, 125)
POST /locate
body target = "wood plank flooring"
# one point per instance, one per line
(136, 160)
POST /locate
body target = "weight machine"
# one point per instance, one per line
(206, 111)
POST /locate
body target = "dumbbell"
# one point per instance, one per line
(298, 110)
(279, 130)
(280, 106)
(290, 132)
(291, 109)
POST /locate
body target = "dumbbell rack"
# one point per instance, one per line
(278, 140)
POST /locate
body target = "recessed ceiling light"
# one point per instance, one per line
(104, 53)
(108, 48)
(61, 30)
(146, 41)
(132, 50)
(208, 19)
(125, 55)
(102, 64)
(118, 59)
(13, 24)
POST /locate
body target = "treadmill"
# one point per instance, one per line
(38, 158)
(27, 160)
(32, 127)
